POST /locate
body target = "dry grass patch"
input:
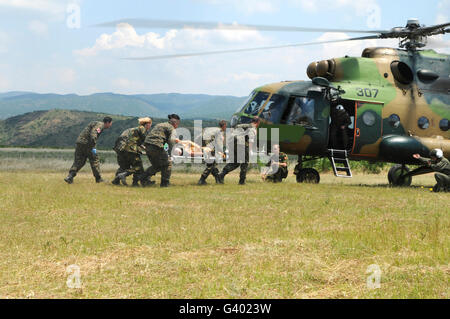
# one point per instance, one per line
(221, 241)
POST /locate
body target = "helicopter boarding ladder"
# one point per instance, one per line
(339, 162)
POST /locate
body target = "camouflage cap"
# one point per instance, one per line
(173, 116)
(144, 120)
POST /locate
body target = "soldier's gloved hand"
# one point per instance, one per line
(94, 151)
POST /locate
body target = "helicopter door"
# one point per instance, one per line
(302, 125)
(368, 128)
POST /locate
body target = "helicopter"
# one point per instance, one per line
(398, 100)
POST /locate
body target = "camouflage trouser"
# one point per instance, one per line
(82, 153)
(130, 163)
(232, 166)
(443, 182)
(160, 162)
(211, 168)
(279, 175)
(235, 164)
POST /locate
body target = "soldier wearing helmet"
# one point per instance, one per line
(438, 163)
(338, 129)
(129, 148)
(163, 133)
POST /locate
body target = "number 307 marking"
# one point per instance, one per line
(367, 92)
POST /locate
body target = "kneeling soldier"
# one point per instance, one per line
(85, 149)
(129, 148)
(277, 167)
(441, 166)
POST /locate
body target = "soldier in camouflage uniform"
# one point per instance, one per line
(154, 146)
(85, 149)
(441, 166)
(277, 167)
(237, 139)
(129, 149)
(214, 140)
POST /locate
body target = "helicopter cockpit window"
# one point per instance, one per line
(248, 99)
(301, 111)
(423, 123)
(255, 104)
(274, 108)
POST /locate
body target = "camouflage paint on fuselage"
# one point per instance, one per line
(369, 83)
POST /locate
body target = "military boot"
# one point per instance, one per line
(135, 183)
(216, 176)
(220, 178)
(165, 184)
(69, 178)
(116, 181)
(144, 178)
(99, 179)
(123, 177)
(202, 181)
(145, 181)
(242, 179)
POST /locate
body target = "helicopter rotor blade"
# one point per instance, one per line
(181, 55)
(419, 31)
(438, 27)
(175, 24)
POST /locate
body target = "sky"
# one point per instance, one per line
(53, 46)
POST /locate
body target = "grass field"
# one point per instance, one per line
(261, 240)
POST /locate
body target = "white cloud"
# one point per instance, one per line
(350, 48)
(439, 43)
(126, 36)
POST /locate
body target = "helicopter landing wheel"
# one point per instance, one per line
(396, 176)
(308, 175)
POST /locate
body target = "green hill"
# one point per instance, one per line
(60, 128)
(154, 105)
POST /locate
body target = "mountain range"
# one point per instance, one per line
(60, 128)
(188, 106)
